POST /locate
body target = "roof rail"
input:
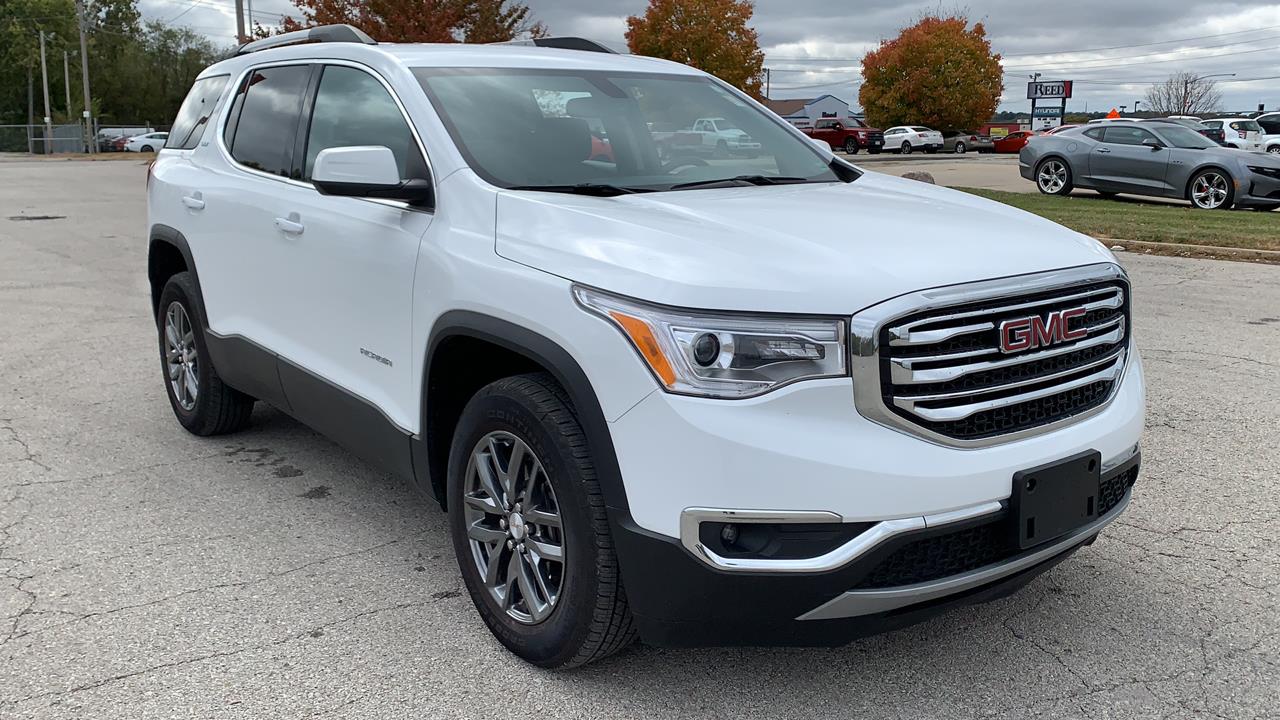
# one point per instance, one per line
(563, 43)
(321, 33)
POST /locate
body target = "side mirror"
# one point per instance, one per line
(824, 146)
(1153, 144)
(367, 171)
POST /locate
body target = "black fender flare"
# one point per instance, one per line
(165, 235)
(430, 471)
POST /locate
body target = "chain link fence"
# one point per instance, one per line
(68, 138)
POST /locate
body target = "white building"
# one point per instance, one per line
(802, 112)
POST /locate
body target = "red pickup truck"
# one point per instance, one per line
(850, 135)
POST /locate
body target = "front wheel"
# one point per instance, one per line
(1274, 149)
(528, 524)
(1053, 177)
(851, 146)
(1211, 189)
(906, 148)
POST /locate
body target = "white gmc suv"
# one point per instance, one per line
(731, 400)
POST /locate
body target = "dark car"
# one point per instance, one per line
(1161, 159)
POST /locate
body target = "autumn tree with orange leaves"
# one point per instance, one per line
(711, 35)
(938, 72)
(424, 21)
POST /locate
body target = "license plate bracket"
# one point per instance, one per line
(1053, 499)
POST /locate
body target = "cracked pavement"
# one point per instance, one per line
(147, 573)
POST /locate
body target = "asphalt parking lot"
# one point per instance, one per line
(147, 573)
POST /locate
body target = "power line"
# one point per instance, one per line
(1073, 63)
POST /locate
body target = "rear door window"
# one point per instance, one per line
(264, 118)
(202, 100)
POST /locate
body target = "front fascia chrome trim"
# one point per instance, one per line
(865, 327)
(856, 603)
(692, 518)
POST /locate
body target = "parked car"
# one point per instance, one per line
(1013, 142)
(849, 135)
(1270, 124)
(907, 138)
(149, 142)
(962, 141)
(1056, 130)
(657, 401)
(1213, 133)
(1240, 133)
(1160, 159)
(107, 137)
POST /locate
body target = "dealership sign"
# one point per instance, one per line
(1049, 90)
(1046, 112)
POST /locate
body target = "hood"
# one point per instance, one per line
(831, 248)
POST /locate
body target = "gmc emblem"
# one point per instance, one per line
(1032, 332)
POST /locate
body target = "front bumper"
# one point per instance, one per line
(678, 600)
(1259, 190)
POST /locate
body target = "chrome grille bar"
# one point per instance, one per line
(929, 363)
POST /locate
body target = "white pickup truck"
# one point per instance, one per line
(715, 136)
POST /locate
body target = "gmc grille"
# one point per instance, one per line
(941, 371)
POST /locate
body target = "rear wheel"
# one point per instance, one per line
(528, 524)
(906, 147)
(1211, 189)
(1053, 177)
(1274, 149)
(148, 148)
(203, 404)
(960, 148)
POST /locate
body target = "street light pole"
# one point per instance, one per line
(66, 80)
(89, 144)
(44, 79)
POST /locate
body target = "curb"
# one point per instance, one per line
(1185, 250)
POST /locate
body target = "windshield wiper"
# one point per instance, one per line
(741, 180)
(596, 189)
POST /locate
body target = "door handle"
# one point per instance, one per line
(193, 201)
(1103, 150)
(290, 225)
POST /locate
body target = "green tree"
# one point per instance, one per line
(938, 72)
(711, 35)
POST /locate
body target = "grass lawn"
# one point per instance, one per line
(1131, 218)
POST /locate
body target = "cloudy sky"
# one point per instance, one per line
(1112, 49)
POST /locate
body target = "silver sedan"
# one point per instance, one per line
(1157, 159)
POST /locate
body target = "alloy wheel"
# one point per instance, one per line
(1274, 149)
(513, 526)
(181, 358)
(1209, 191)
(1052, 177)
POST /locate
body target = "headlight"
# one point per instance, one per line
(723, 355)
(1268, 171)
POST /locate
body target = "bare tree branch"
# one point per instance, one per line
(1184, 93)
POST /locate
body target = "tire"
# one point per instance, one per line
(906, 148)
(851, 146)
(214, 408)
(1211, 189)
(589, 617)
(960, 148)
(147, 149)
(1274, 149)
(1053, 176)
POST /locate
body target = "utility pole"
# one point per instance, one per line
(44, 79)
(248, 19)
(31, 109)
(90, 144)
(240, 22)
(767, 78)
(66, 80)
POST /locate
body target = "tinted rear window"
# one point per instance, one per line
(264, 118)
(202, 100)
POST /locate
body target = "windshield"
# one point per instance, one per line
(523, 128)
(1182, 137)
